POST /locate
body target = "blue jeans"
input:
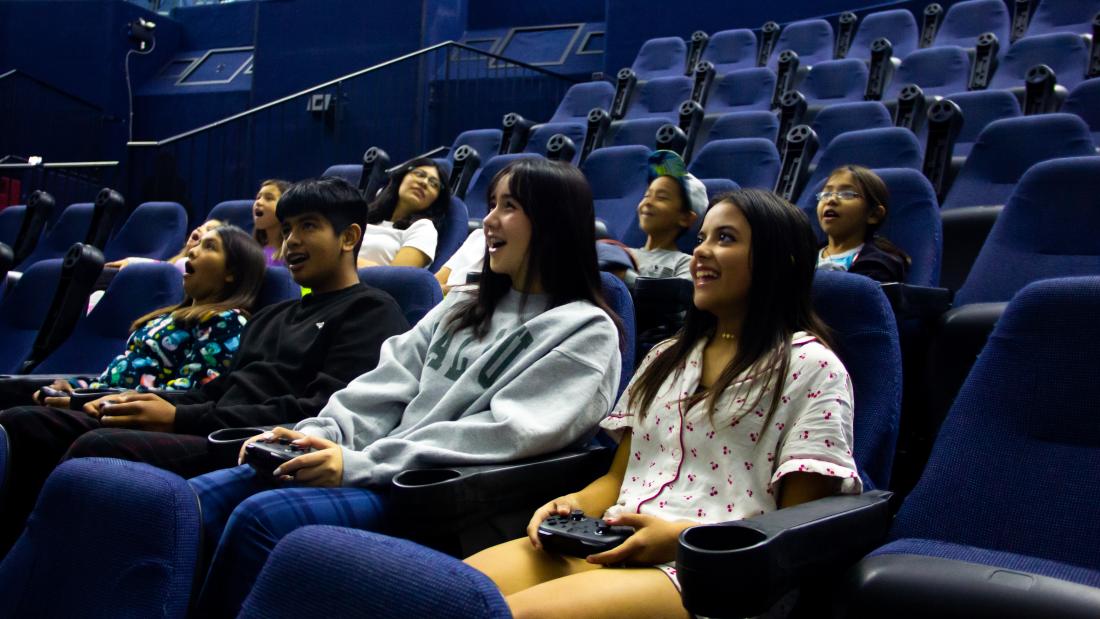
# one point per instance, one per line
(245, 518)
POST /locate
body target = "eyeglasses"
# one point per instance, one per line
(432, 181)
(840, 195)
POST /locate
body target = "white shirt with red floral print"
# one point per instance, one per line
(690, 465)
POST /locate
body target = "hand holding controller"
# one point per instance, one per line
(265, 457)
(578, 535)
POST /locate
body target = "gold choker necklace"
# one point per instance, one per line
(727, 336)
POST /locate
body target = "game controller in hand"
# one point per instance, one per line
(266, 457)
(578, 535)
(49, 392)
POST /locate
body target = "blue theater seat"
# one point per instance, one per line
(1020, 444)
(663, 57)
(22, 310)
(351, 172)
(278, 286)
(136, 558)
(477, 196)
(811, 39)
(580, 99)
(739, 91)
(11, 219)
(619, 177)
(1074, 16)
(454, 233)
(660, 97)
(965, 21)
(1067, 54)
(844, 117)
(154, 230)
(980, 108)
(835, 81)
(235, 212)
(101, 335)
(1006, 148)
(749, 162)
(937, 70)
(310, 573)
(759, 124)
(731, 50)
(485, 141)
(414, 288)
(898, 26)
(912, 223)
(1084, 101)
(639, 131)
(540, 135)
(71, 227)
(892, 147)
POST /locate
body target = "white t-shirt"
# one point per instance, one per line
(381, 242)
(469, 257)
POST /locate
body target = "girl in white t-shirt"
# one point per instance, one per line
(745, 411)
(404, 221)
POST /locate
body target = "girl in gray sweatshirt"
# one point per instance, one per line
(525, 363)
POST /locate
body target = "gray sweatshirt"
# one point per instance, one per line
(538, 382)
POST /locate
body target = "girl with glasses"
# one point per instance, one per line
(404, 221)
(850, 209)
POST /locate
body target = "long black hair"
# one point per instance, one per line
(782, 258)
(382, 208)
(556, 197)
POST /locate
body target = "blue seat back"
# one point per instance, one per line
(1007, 148)
(1073, 16)
(477, 196)
(892, 147)
(844, 117)
(979, 108)
(663, 57)
(107, 538)
(865, 337)
(636, 132)
(453, 233)
(154, 230)
(234, 212)
(414, 289)
(938, 71)
(749, 162)
(618, 299)
(1047, 229)
(351, 172)
(485, 141)
(580, 99)
(731, 50)
(835, 81)
(912, 222)
(278, 286)
(101, 335)
(758, 124)
(738, 91)
(619, 178)
(71, 227)
(310, 573)
(1084, 102)
(11, 219)
(1067, 54)
(965, 21)
(660, 97)
(540, 135)
(811, 39)
(1023, 422)
(898, 26)
(22, 310)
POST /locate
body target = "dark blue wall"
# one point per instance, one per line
(218, 25)
(488, 14)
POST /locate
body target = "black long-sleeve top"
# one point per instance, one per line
(292, 357)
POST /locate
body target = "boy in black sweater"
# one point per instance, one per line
(292, 357)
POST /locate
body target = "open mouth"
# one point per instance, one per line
(704, 276)
(829, 214)
(295, 260)
(494, 244)
(257, 212)
(188, 268)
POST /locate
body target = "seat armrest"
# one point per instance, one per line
(891, 585)
(742, 568)
(449, 499)
(920, 302)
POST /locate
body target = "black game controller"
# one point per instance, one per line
(49, 392)
(266, 457)
(578, 535)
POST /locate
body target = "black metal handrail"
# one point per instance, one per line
(346, 77)
(13, 73)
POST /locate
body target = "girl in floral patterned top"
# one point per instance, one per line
(745, 411)
(187, 345)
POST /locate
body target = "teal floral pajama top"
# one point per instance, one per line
(163, 355)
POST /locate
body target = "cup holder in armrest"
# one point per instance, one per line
(723, 538)
(424, 477)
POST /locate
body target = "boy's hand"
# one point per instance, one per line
(55, 401)
(139, 411)
(654, 541)
(324, 467)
